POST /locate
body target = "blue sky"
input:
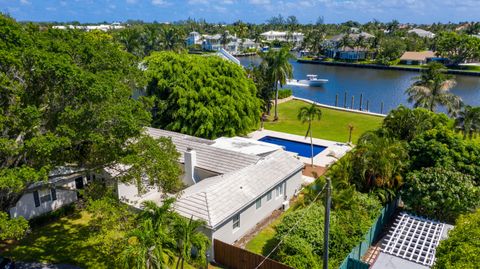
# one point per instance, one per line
(334, 11)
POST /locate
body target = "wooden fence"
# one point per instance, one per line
(234, 257)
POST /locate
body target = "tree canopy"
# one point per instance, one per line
(201, 96)
(66, 102)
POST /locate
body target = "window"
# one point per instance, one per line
(258, 203)
(269, 196)
(236, 221)
(280, 190)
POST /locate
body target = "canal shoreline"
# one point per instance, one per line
(384, 67)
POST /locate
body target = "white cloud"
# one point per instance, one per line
(198, 2)
(25, 2)
(131, 1)
(259, 2)
(160, 2)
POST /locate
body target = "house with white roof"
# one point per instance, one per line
(231, 183)
(283, 36)
(194, 38)
(43, 197)
(422, 33)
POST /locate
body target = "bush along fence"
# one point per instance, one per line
(354, 258)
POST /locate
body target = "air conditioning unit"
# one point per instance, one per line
(285, 205)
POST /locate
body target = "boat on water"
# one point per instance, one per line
(313, 81)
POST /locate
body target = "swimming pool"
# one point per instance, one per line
(303, 149)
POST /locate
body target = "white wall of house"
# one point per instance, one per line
(250, 215)
(26, 205)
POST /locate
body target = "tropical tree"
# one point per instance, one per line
(279, 70)
(378, 163)
(225, 38)
(188, 238)
(432, 88)
(468, 121)
(172, 39)
(202, 96)
(147, 248)
(307, 114)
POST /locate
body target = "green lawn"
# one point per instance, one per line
(63, 241)
(332, 126)
(262, 243)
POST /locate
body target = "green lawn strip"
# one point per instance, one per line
(260, 243)
(63, 241)
(332, 126)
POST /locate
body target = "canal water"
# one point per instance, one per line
(376, 86)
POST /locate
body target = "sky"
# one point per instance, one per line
(255, 11)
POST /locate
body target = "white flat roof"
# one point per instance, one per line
(245, 145)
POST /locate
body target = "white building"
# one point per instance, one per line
(234, 45)
(43, 197)
(88, 28)
(232, 183)
(283, 36)
(422, 33)
(194, 38)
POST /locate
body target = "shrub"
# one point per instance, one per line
(460, 250)
(284, 93)
(440, 193)
(52, 215)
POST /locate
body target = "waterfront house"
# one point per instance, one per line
(416, 57)
(230, 183)
(235, 45)
(194, 38)
(294, 37)
(337, 50)
(44, 197)
(422, 33)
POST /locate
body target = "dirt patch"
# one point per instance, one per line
(242, 242)
(313, 171)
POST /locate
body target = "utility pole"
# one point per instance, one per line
(326, 230)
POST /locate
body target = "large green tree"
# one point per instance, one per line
(457, 47)
(202, 96)
(468, 121)
(66, 102)
(460, 250)
(432, 88)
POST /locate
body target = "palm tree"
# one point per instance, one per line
(189, 237)
(432, 88)
(309, 114)
(225, 39)
(379, 161)
(468, 121)
(172, 39)
(147, 248)
(279, 70)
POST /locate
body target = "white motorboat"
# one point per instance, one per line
(313, 81)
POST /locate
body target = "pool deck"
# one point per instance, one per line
(334, 150)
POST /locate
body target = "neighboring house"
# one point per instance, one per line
(234, 45)
(336, 50)
(416, 57)
(43, 197)
(283, 36)
(422, 33)
(101, 27)
(421, 58)
(194, 38)
(231, 183)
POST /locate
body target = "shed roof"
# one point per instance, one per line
(216, 199)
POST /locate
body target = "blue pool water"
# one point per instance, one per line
(303, 149)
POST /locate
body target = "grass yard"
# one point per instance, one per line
(63, 241)
(262, 243)
(333, 125)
